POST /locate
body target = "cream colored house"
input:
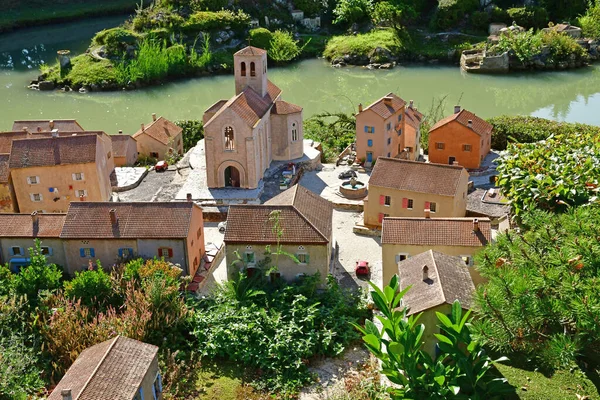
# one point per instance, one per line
(118, 369)
(159, 138)
(114, 232)
(305, 220)
(412, 129)
(49, 173)
(402, 188)
(244, 134)
(18, 233)
(402, 238)
(436, 280)
(380, 129)
(124, 150)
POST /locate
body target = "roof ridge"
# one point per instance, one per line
(480, 219)
(423, 163)
(306, 219)
(99, 364)
(439, 276)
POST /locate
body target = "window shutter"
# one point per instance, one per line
(170, 253)
(82, 176)
(37, 179)
(307, 258)
(153, 392)
(159, 382)
(73, 177)
(92, 253)
(82, 252)
(142, 393)
(427, 205)
(366, 129)
(41, 197)
(380, 217)
(50, 251)
(130, 252)
(397, 258)
(21, 251)
(159, 252)
(381, 199)
(120, 253)
(29, 180)
(404, 202)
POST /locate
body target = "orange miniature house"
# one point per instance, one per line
(461, 138)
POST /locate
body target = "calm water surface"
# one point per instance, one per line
(567, 96)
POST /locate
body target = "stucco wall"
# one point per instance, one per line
(318, 259)
(412, 139)
(8, 202)
(195, 242)
(147, 145)
(148, 248)
(283, 147)
(454, 135)
(105, 250)
(429, 319)
(389, 252)
(446, 206)
(57, 256)
(61, 177)
(149, 379)
(380, 146)
(130, 156)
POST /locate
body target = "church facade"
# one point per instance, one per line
(244, 134)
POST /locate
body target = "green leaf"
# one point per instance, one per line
(440, 380)
(373, 341)
(396, 348)
(444, 320)
(443, 338)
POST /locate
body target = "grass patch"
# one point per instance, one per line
(44, 12)
(87, 70)
(434, 47)
(362, 44)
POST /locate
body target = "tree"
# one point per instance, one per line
(193, 131)
(393, 13)
(461, 370)
(283, 47)
(351, 11)
(94, 288)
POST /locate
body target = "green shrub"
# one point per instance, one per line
(115, 40)
(335, 131)
(529, 17)
(156, 18)
(480, 20)
(93, 288)
(283, 47)
(450, 12)
(204, 21)
(193, 131)
(525, 45)
(500, 15)
(362, 44)
(209, 5)
(311, 7)
(20, 375)
(352, 11)
(563, 47)
(261, 38)
(590, 22)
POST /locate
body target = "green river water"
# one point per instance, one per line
(567, 96)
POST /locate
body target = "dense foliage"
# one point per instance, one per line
(461, 370)
(335, 131)
(450, 12)
(590, 22)
(352, 11)
(362, 44)
(193, 131)
(93, 288)
(543, 294)
(552, 174)
(277, 329)
(529, 17)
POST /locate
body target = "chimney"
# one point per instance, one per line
(66, 394)
(387, 100)
(51, 123)
(120, 132)
(425, 273)
(454, 162)
(153, 116)
(39, 128)
(25, 129)
(35, 218)
(142, 127)
(54, 133)
(475, 225)
(470, 123)
(113, 216)
(360, 108)
(456, 109)
(188, 197)
(427, 213)
(410, 105)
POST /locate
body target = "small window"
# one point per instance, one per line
(439, 145)
(399, 117)
(468, 260)
(81, 193)
(389, 141)
(388, 200)
(369, 129)
(389, 155)
(87, 252)
(432, 207)
(154, 154)
(125, 253)
(47, 251)
(33, 180)
(401, 257)
(109, 155)
(16, 251)
(294, 132)
(303, 258)
(78, 176)
(249, 257)
(165, 252)
(199, 233)
(229, 139)
(36, 197)
(410, 204)
(243, 68)
(252, 69)
(388, 126)
(399, 131)
(370, 143)
(466, 147)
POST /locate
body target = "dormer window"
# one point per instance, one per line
(243, 69)
(252, 69)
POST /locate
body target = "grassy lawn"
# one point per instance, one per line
(362, 44)
(224, 380)
(36, 12)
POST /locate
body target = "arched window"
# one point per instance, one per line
(243, 68)
(229, 140)
(252, 69)
(294, 132)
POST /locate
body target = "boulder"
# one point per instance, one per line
(46, 85)
(386, 66)
(380, 55)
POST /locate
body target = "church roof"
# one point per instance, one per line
(283, 107)
(250, 51)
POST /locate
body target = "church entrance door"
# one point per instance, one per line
(232, 177)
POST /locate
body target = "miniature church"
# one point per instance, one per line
(244, 134)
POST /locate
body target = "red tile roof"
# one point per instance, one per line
(480, 126)
(38, 152)
(387, 110)
(91, 220)
(413, 117)
(250, 51)
(162, 130)
(414, 176)
(66, 125)
(436, 231)
(283, 107)
(22, 225)
(304, 218)
(113, 369)
(121, 143)
(448, 279)
(216, 107)
(4, 170)
(6, 139)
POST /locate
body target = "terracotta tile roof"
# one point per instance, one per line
(6, 139)
(162, 130)
(413, 117)
(121, 143)
(22, 225)
(436, 231)
(414, 176)
(156, 220)
(478, 203)
(480, 126)
(4, 170)
(304, 218)
(66, 125)
(216, 107)
(273, 92)
(38, 152)
(113, 370)
(384, 110)
(250, 51)
(283, 107)
(448, 279)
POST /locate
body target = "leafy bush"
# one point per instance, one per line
(461, 370)
(542, 297)
(311, 7)
(261, 38)
(19, 370)
(480, 20)
(193, 131)
(155, 18)
(590, 22)
(553, 174)
(563, 47)
(335, 131)
(450, 12)
(204, 21)
(115, 39)
(362, 44)
(500, 15)
(277, 329)
(283, 47)
(525, 45)
(208, 5)
(529, 17)
(352, 11)
(93, 288)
